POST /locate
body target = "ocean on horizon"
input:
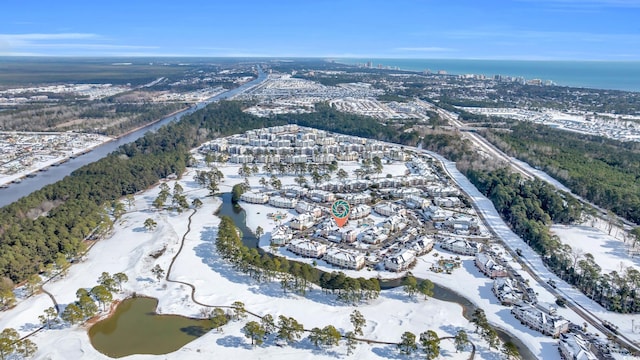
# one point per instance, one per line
(609, 75)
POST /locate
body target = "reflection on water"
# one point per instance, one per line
(135, 328)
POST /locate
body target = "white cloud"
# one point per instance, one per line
(424, 49)
(68, 43)
(45, 37)
(92, 46)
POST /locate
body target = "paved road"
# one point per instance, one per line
(574, 305)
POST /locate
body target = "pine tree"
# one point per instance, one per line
(426, 288)
(315, 336)
(510, 350)
(218, 319)
(351, 342)
(358, 321)
(410, 284)
(72, 314)
(461, 340)
(268, 324)
(430, 344)
(238, 310)
(330, 335)
(407, 343)
(254, 331)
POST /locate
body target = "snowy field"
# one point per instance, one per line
(611, 253)
(217, 284)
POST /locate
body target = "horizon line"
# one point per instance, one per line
(326, 58)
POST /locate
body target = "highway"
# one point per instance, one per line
(526, 264)
(522, 168)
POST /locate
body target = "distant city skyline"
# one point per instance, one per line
(510, 30)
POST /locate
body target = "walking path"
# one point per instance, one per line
(193, 290)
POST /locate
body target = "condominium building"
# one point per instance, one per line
(536, 319)
(574, 347)
(307, 248)
(254, 197)
(282, 202)
(344, 258)
(461, 246)
(400, 261)
(488, 266)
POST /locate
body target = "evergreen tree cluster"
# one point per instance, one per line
(293, 276)
(604, 171)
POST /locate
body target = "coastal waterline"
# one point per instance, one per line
(135, 328)
(615, 75)
(238, 215)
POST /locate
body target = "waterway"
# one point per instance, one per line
(135, 328)
(617, 75)
(238, 215)
(55, 173)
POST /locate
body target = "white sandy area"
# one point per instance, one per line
(128, 251)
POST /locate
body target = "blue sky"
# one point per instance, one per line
(478, 29)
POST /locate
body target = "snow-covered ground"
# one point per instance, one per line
(42, 160)
(217, 284)
(610, 253)
(128, 250)
(533, 260)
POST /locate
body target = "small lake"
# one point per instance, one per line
(135, 328)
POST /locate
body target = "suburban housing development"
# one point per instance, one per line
(402, 204)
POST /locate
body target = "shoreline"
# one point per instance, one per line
(529, 69)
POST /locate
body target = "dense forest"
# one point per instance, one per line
(603, 171)
(107, 117)
(528, 206)
(56, 219)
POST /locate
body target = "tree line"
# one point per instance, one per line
(529, 207)
(604, 171)
(288, 331)
(293, 276)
